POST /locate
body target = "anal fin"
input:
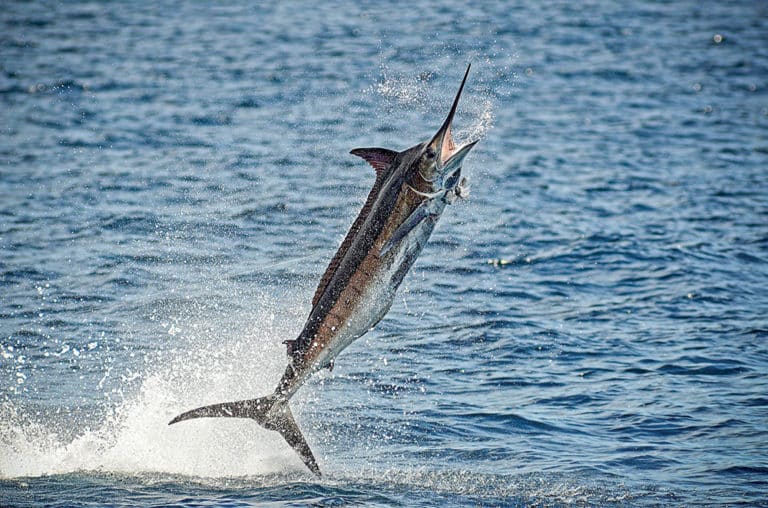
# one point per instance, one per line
(292, 349)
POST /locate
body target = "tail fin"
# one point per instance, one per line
(271, 412)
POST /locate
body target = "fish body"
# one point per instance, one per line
(411, 191)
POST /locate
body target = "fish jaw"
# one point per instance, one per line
(441, 154)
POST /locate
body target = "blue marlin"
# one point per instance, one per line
(411, 191)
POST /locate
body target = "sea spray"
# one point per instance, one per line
(134, 437)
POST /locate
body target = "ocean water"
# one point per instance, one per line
(588, 329)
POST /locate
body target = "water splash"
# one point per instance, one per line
(406, 90)
(134, 436)
(482, 116)
(417, 91)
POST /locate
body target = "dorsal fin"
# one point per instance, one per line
(381, 160)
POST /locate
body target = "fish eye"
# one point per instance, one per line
(430, 153)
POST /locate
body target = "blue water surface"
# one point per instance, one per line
(589, 328)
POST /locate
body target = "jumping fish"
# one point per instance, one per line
(411, 191)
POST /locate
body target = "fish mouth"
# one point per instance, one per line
(450, 156)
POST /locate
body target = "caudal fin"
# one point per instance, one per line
(270, 412)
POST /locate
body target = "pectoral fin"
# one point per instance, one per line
(422, 213)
